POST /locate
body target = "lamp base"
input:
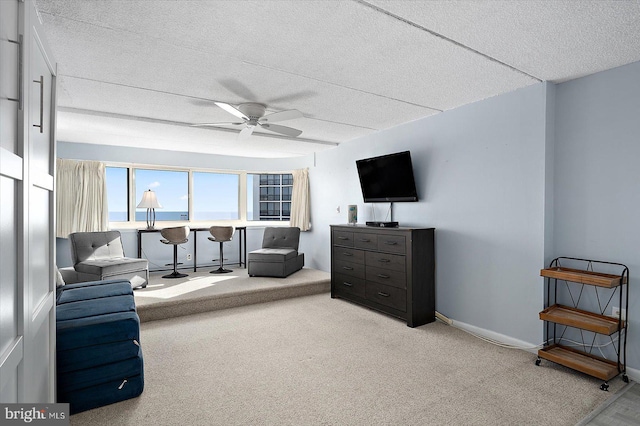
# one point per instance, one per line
(151, 218)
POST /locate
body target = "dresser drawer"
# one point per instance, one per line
(347, 285)
(366, 241)
(343, 238)
(348, 254)
(386, 276)
(388, 296)
(391, 243)
(349, 268)
(394, 262)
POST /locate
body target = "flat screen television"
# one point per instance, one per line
(388, 178)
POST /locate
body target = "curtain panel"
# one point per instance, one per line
(81, 197)
(301, 200)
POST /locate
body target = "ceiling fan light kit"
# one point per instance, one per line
(252, 114)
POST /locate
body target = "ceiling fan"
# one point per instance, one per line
(252, 115)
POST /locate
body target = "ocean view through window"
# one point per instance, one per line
(172, 191)
(215, 196)
(198, 195)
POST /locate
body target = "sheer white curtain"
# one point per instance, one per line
(300, 200)
(81, 191)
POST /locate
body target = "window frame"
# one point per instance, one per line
(242, 197)
(134, 199)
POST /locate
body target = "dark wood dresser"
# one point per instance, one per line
(391, 270)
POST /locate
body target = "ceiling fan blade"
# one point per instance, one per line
(232, 110)
(245, 133)
(281, 116)
(215, 124)
(292, 97)
(237, 88)
(289, 131)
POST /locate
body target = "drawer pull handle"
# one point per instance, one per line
(347, 284)
(384, 260)
(383, 276)
(348, 268)
(391, 243)
(343, 238)
(347, 254)
(380, 293)
(365, 240)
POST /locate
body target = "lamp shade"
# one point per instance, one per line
(149, 201)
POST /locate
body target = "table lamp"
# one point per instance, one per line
(150, 202)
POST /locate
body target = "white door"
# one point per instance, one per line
(27, 168)
(11, 163)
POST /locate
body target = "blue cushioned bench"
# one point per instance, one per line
(99, 357)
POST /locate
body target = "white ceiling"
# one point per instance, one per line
(138, 73)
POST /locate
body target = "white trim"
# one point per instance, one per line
(10, 359)
(502, 338)
(42, 311)
(10, 164)
(42, 180)
(633, 374)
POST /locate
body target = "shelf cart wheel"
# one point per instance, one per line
(625, 378)
(538, 361)
(604, 387)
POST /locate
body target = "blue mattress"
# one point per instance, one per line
(98, 353)
(100, 329)
(76, 294)
(95, 307)
(94, 355)
(87, 377)
(102, 385)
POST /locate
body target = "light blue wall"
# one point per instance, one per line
(159, 254)
(597, 177)
(509, 183)
(480, 172)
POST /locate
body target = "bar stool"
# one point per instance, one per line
(221, 234)
(176, 235)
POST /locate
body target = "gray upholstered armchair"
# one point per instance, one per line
(278, 256)
(100, 256)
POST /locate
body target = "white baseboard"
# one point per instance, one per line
(634, 374)
(507, 340)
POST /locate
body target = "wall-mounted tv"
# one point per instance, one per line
(387, 178)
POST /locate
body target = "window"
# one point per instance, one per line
(172, 192)
(269, 196)
(118, 193)
(188, 195)
(215, 196)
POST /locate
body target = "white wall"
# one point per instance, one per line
(84, 151)
(597, 177)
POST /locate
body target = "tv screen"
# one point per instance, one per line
(387, 178)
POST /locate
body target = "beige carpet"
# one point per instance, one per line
(202, 291)
(314, 360)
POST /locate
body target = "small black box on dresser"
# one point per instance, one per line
(391, 270)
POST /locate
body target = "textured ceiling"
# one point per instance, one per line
(138, 73)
